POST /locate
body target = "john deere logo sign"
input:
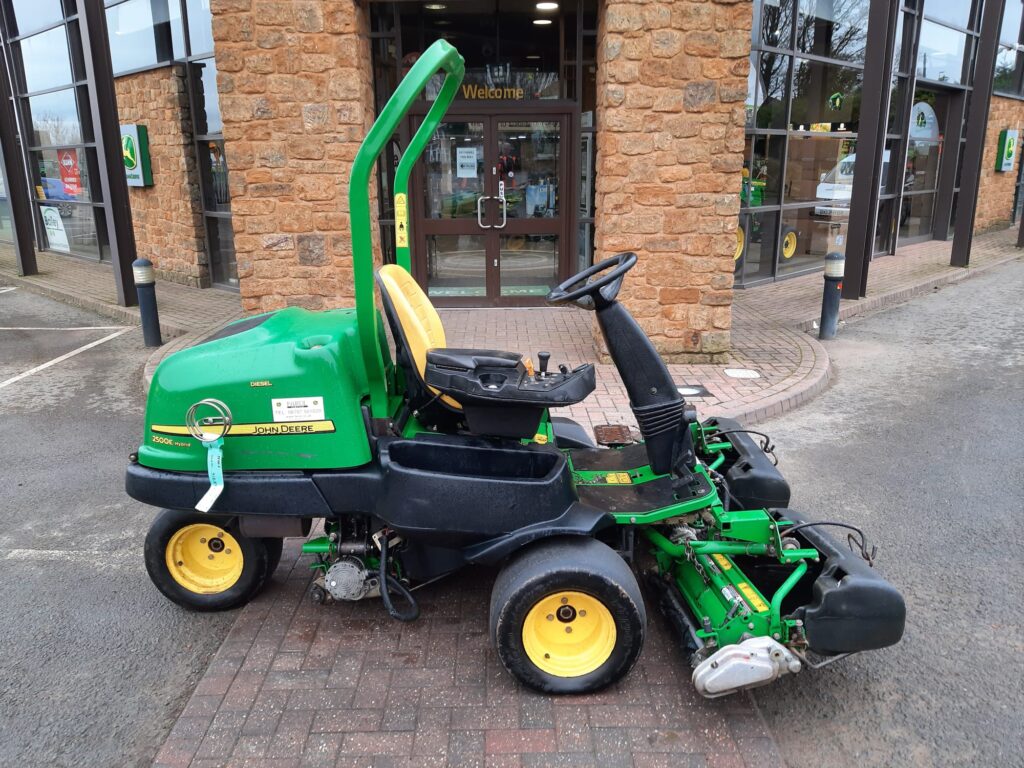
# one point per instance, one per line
(1007, 150)
(129, 152)
(135, 154)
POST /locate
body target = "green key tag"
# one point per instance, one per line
(215, 471)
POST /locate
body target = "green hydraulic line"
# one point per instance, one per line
(440, 55)
(716, 463)
(712, 447)
(781, 592)
(728, 548)
(702, 547)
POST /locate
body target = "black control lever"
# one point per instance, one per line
(544, 358)
(564, 369)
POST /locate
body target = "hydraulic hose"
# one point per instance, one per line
(389, 582)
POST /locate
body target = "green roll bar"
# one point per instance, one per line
(440, 55)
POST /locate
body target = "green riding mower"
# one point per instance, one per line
(421, 462)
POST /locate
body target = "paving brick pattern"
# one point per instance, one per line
(297, 684)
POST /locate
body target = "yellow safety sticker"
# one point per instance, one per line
(265, 429)
(618, 478)
(752, 597)
(401, 221)
(723, 562)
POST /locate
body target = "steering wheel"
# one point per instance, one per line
(596, 292)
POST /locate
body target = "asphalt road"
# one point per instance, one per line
(94, 662)
(921, 442)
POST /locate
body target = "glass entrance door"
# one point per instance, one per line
(492, 226)
(926, 140)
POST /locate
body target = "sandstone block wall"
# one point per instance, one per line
(672, 82)
(995, 189)
(167, 217)
(296, 98)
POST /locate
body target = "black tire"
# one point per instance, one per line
(274, 549)
(254, 562)
(566, 565)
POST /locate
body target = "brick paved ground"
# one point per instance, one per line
(296, 684)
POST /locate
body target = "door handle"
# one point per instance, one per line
(480, 212)
(504, 213)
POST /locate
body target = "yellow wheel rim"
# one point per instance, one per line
(204, 559)
(789, 245)
(569, 634)
(740, 242)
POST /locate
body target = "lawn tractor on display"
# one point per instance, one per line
(436, 458)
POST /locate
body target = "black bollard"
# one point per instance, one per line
(145, 285)
(835, 265)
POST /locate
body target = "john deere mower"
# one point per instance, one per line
(424, 461)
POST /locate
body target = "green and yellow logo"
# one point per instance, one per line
(129, 153)
(1011, 146)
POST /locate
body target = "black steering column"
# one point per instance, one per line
(661, 412)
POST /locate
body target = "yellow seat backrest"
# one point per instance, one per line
(420, 323)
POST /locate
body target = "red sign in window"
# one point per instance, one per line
(69, 175)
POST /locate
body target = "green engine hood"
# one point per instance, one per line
(294, 381)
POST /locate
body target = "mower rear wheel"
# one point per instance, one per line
(202, 562)
(567, 616)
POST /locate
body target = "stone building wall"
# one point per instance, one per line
(995, 189)
(296, 99)
(167, 216)
(672, 82)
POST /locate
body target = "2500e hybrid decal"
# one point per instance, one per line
(264, 429)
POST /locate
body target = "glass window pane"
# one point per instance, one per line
(45, 60)
(34, 14)
(223, 262)
(955, 12)
(143, 33)
(71, 228)
(897, 93)
(772, 78)
(807, 236)
(916, 215)
(529, 265)
(54, 118)
(6, 220)
(940, 53)
(1009, 33)
(762, 181)
(891, 165)
(200, 26)
(755, 245)
(835, 29)
(884, 226)
(61, 174)
(777, 23)
(456, 265)
(826, 97)
(204, 76)
(922, 165)
(454, 164)
(528, 166)
(1006, 76)
(214, 168)
(821, 168)
(584, 247)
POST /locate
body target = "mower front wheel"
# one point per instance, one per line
(567, 616)
(202, 562)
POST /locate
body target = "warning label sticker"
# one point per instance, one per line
(298, 408)
(752, 597)
(401, 221)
